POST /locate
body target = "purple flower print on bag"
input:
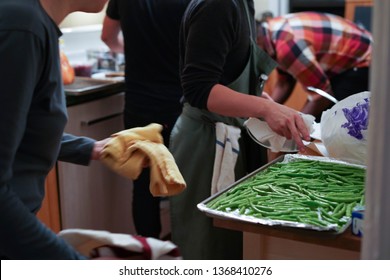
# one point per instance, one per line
(357, 119)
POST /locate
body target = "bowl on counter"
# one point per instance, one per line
(83, 68)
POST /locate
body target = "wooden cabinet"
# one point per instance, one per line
(297, 98)
(89, 196)
(94, 197)
(359, 11)
(50, 211)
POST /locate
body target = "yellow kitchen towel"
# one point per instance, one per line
(131, 150)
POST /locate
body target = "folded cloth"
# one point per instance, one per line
(261, 131)
(131, 150)
(103, 244)
(226, 153)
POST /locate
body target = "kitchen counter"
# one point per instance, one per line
(87, 89)
(94, 197)
(345, 241)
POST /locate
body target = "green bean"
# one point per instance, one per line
(242, 210)
(348, 211)
(338, 207)
(305, 188)
(342, 199)
(341, 212)
(329, 217)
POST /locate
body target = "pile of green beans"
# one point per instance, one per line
(321, 194)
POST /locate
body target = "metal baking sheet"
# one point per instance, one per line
(86, 85)
(268, 222)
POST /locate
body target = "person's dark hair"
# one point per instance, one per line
(266, 15)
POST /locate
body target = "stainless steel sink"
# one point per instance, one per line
(85, 85)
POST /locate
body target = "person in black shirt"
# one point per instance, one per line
(220, 66)
(32, 120)
(147, 32)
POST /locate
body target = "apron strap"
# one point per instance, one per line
(262, 63)
(250, 23)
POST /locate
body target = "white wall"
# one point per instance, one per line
(277, 7)
(82, 19)
(81, 31)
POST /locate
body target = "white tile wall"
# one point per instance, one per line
(75, 41)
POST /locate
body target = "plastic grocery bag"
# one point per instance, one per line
(344, 128)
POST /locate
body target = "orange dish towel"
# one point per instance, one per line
(129, 151)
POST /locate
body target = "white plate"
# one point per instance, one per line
(260, 132)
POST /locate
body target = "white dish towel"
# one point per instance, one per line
(226, 153)
(87, 242)
(264, 134)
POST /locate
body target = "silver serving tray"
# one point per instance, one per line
(202, 206)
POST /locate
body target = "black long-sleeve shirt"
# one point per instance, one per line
(214, 46)
(32, 120)
(150, 31)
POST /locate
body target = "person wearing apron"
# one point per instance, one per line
(193, 136)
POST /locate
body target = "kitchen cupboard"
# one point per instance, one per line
(94, 197)
(359, 11)
(49, 213)
(296, 100)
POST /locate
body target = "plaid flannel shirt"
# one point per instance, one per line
(313, 47)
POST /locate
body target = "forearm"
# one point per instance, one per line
(227, 102)
(111, 35)
(281, 119)
(78, 150)
(115, 44)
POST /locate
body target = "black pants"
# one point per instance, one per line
(146, 208)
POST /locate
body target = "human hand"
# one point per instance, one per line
(288, 123)
(98, 148)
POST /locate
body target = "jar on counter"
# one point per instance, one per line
(105, 60)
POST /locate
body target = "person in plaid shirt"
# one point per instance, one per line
(320, 50)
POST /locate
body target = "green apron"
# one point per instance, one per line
(192, 144)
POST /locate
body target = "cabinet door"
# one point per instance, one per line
(94, 197)
(359, 11)
(49, 213)
(297, 98)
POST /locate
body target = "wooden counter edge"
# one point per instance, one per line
(345, 240)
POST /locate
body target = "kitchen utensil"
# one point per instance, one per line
(323, 94)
